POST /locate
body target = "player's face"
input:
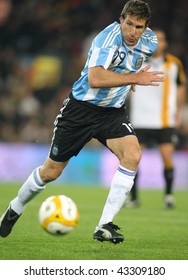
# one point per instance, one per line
(132, 29)
(162, 43)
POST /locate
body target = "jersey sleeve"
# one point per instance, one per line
(149, 40)
(181, 73)
(181, 76)
(103, 48)
(101, 57)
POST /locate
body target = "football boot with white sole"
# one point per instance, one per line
(108, 232)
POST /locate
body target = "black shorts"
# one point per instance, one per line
(151, 137)
(79, 121)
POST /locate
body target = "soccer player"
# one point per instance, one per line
(95, 109)
(155, 114)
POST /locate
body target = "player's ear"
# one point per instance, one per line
(121, 19)
(147, 25)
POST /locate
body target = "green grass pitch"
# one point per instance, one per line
(151, 231)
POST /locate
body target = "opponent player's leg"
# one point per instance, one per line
(128, 152)
(167, 151)
(133, 200)
(134, 193)
(34, 185)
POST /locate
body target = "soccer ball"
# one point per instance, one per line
(58, 215)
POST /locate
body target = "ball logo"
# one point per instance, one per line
(58, 215)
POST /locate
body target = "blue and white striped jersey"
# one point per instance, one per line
(109, 50)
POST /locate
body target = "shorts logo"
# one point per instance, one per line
(55, 150)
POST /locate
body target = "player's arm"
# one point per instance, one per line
(99, 77)
(181, 85)
(181, 93)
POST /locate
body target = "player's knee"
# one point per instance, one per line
(135, 158)
(131, 160)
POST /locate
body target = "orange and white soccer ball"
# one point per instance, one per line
(58, 215)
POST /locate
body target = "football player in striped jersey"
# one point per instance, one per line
(95, 109)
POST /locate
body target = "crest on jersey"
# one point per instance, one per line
(139, 62)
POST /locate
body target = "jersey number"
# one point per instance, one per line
(120, 56)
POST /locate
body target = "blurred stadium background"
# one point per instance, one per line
(43, 45)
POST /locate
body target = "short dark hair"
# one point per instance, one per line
(137, 8)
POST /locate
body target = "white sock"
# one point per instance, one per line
(121, 185)
(33, 186)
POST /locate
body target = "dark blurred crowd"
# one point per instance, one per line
(43, 46)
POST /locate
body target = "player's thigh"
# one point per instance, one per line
(127, 149)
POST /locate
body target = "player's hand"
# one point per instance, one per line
(150, 78)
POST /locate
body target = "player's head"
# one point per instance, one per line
(162, 41)
(138, 9)
(134, 19)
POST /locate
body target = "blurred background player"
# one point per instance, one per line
(155, 114)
